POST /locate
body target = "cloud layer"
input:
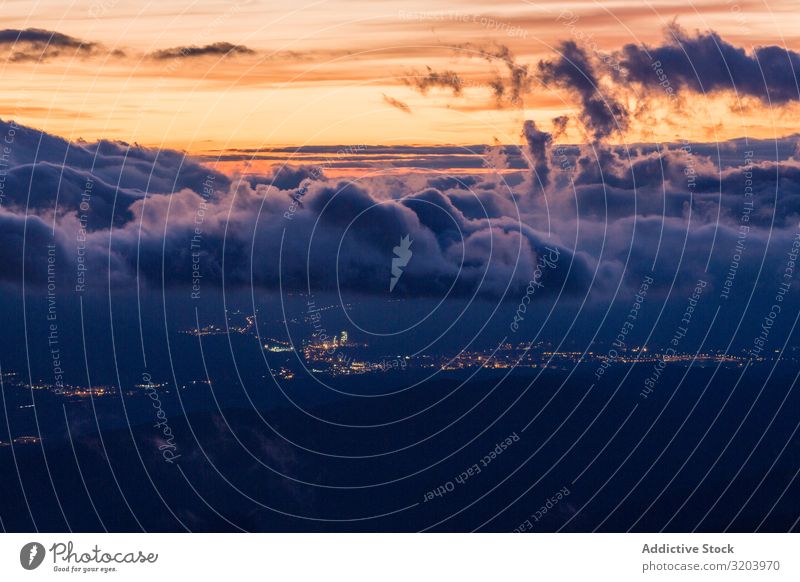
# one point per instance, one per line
(614, 215)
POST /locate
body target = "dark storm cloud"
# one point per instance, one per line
(702, 62)
(36, 44)
(706, 63)
(215, 49)
(423, 82)
(573, 70)
(39, 36)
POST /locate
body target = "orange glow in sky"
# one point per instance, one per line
(336, 72)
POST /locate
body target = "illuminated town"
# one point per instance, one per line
(338, 354)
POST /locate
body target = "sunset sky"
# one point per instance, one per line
(339, 72)
(508, 199)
